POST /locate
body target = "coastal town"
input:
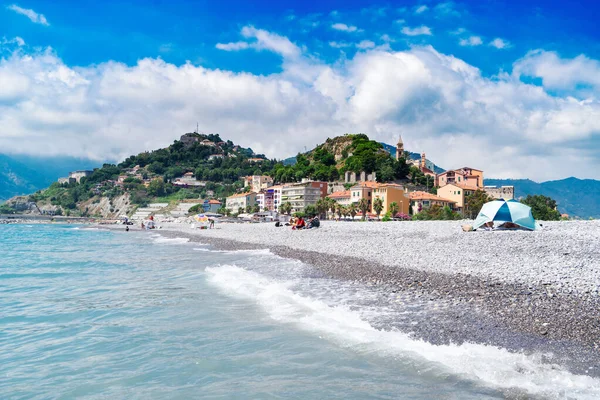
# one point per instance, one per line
(453, 189)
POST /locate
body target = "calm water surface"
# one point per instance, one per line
(98, 314)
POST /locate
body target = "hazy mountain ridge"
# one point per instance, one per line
(21, 175)
(576, 197)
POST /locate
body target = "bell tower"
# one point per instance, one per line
(423, 161)
(399, 148)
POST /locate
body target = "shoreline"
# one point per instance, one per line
(511, 315)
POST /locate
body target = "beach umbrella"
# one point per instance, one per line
(201, 218)
(505, 211)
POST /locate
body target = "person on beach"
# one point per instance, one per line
(143, 226)
(488, 226)
(127, 228)
(300, 224)
(212, 223)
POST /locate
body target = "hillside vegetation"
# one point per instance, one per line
(218, 167)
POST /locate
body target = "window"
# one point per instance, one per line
(459, 192)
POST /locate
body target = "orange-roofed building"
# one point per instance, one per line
(344, 197)
(422, 200)
(391, 193)
(464, 176)
(457, 192)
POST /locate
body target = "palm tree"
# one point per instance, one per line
(378, 206)
(333, 206)
(286, 208)
(363, 206)
(322, 207)
(340, 210)
(394, 209)
(353, 210)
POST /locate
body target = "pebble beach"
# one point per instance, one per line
(533, 291)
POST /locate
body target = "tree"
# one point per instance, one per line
(156, 188)
(321, 207)
(310, 210)
(286, 208)
(340, 210)
(474, 202)
(353, 210)
(363, 206)
(542, 207)
(378, 206)
(240, 210)
(394, 209)
(332, 206)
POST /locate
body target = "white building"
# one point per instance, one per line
(258, 182)
(243, 200)
(300, 195)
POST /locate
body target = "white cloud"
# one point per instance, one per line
(400, 21)
(447, 9)
(439, 103)
(16, 40)
(366, 44)
(558, 73)
(264, 41)
(32, 15)
(458, 31)
(386, 38)
(500, 43)
(344, 28)
(339, 45)
(421, 9)
(471, 41)
(421, 30)
(232, 46)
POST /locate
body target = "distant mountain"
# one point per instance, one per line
(413, 156)
(576, 197)
(26, 174)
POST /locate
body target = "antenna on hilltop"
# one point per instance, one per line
(196, 127)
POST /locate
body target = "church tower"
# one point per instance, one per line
(399, 149)
(423, 161)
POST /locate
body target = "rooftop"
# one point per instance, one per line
(427, 196)
(342, 194)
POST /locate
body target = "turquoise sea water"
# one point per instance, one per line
(101, 314)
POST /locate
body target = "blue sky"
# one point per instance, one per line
(290, 74)
(88, 32)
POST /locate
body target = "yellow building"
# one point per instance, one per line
(457, 193)
(391, 193)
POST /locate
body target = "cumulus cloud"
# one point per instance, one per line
(558, 73)
(32, 15)
(421, 9)
(421, 30)
(439, 103)
(500, 43)
(344, 28)
(471, 41)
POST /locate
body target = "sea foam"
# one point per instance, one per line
(491, 366)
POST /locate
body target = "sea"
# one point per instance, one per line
(87, 313)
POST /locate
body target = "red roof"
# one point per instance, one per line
(342, 194)
(214, 202)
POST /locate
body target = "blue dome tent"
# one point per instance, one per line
(506, 211)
